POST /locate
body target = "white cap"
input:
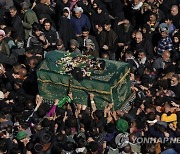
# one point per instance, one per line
(78, 9)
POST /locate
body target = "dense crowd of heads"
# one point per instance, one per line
(143, 33)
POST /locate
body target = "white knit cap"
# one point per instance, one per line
(78, 9)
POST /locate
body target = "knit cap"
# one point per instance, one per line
(122, 125)
(21, 135)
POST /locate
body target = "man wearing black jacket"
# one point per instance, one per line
(143, 45)
(16, 24)
(50, 34)
(85, 35)
(108, 40)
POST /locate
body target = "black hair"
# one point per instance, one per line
(45, 138)
(13, 8)
(56, 148)
(80, 142)
(60, 137)
(29, 105)
(85, 29)
(105, 55)
(41, 112)
(99, 114)
(93, 146)
(47, 21)
(168, 17)
(46, 123)
(154, 14)
(36, 27)
(141, 51)
(110, 127)
(107, 22)
(129, 52)
(112, 144)
(68, 131)
(29, 146)
(3, 145)
(15, 150)
(69, 146)
(72, 122)
(7, 30)
(151, 116)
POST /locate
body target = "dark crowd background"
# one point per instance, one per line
(143, 33)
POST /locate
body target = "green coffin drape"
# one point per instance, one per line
(110, 85)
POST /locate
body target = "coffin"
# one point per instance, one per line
(109, 85)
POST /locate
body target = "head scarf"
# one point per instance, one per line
(69, 12)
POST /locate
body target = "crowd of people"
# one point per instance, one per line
(143, 33)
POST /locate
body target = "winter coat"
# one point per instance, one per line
(29, 18)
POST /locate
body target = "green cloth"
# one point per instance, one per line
(21, 135)
(122, 125)
(63, 101)
(110, 85)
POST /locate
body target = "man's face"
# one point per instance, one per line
(1, 37)
(107, 27)
(164, 34)
(73, 47)
(12, 12)
(99, 10)
(154, 10)
(22, 11)
(176, 39)
(136, 2)
(85, 34)
(95, 5)
(141, 55)
(174, 81)
(138, 38)
(42, 20)
(88, 47)
(66, 14)
(166, 56)
(59, 47)
(174, 11)
(77, 14)
(38, 33)
(152, 18)
(47, 26)
(168, 21)
(64, 1)
(167, 108)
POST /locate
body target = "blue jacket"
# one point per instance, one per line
(169, 151)
(79, 23)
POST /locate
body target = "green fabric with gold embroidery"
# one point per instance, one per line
(110, 85)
